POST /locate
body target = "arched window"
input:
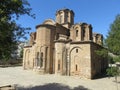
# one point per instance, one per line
(76, 33)
(41, 54)
(76, 50)
(41, 60)
(37, 54)
(38, 59)
(61, 19)
(66, 18)
(83, 33)
(76, 67)
(58, 65)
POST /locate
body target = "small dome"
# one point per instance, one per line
(49, 21)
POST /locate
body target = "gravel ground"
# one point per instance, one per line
(28, 78)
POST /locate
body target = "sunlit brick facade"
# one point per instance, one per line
(64, 48)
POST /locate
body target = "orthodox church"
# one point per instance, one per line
(64, 48)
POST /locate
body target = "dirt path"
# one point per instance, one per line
(26, 78)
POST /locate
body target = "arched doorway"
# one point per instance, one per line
(74, 61)
(27, 58)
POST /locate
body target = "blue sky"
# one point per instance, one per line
(99, 13)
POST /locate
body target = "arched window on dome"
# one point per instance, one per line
(61, 19)
(83, 33)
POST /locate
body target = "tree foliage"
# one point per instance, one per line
(10, 31)
(113, 71)
(113, 37)
(113, 45)
(112, 51)
(102, 52)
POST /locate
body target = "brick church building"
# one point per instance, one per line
(64, 48)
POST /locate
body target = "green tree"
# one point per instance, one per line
(113, 37)
(113, 45)
(21, 53)
(10, 31)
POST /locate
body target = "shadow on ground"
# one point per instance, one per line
(102, 75)
(52, 86)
